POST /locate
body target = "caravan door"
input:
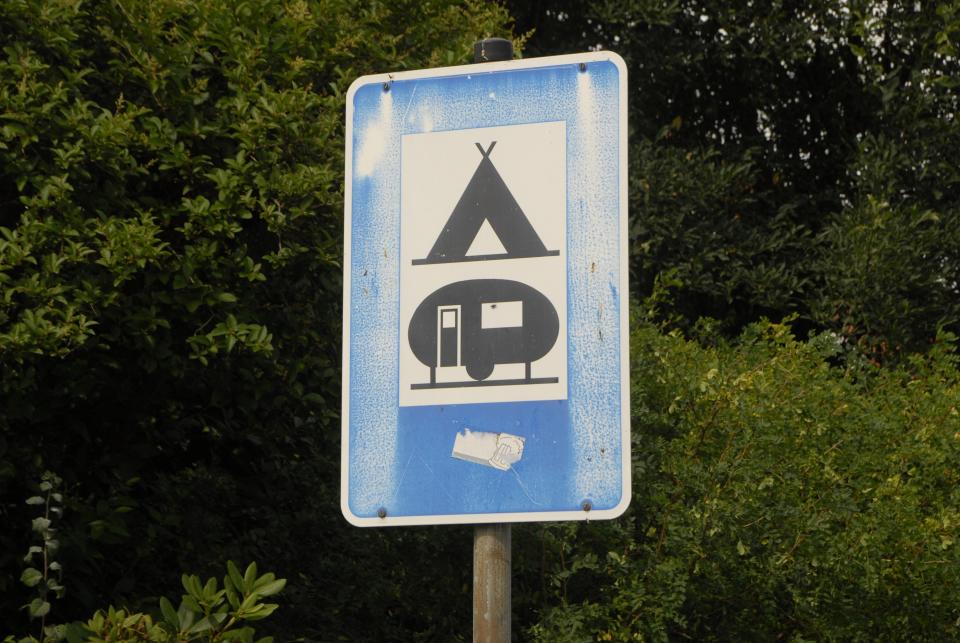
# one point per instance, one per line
(448, 335)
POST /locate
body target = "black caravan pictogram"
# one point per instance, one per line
(486, 198)
(480, 323)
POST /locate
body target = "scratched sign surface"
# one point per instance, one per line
(485, 370)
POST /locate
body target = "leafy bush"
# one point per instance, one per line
(170, 234)
(170, 272)
(776, 497)
(791, 157)
(206, 613)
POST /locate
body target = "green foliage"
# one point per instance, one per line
(206, 613)
(211, 612)
(121, 626)
(787, 160)
(170, 287)
(43, 572)
(776, 497)
(170, 272)
(788, 157)
(877, 290)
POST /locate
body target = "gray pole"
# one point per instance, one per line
(491, 543)
(491, 583)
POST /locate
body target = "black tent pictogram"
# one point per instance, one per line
(486, 198)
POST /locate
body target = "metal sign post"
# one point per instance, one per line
(492, 544)
(491, 583)
(485, 346)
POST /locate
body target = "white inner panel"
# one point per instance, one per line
(501, 314)
(449, 318)
(436, 168)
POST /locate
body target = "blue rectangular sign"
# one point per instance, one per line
(485, 371)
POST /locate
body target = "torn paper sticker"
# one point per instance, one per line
(497, 450)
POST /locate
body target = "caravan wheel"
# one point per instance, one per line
(480, 369)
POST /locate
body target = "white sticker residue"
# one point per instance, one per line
(497, 450)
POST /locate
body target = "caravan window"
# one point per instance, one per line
(501, 314)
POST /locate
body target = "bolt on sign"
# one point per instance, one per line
(485, 369)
